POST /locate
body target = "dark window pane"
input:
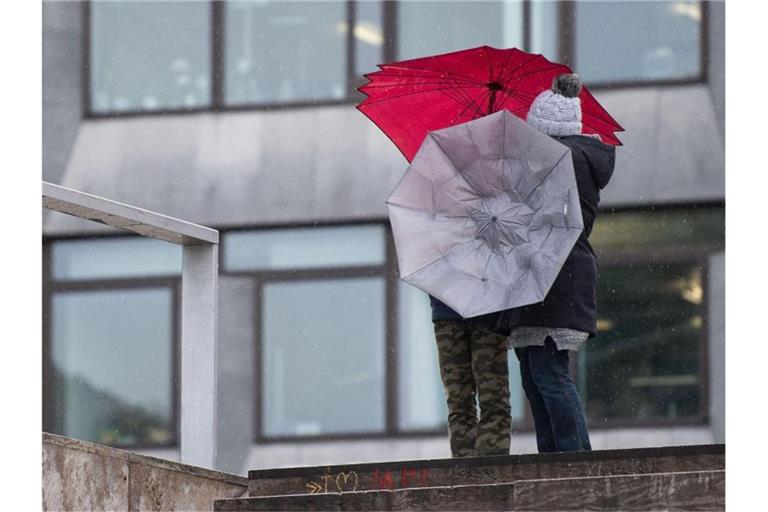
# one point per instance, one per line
(112, 364)
(620, 41)
(369, 37)
(149, 55)
(656, 233)
(285, 51)
(644, 363)
(427, 28)
(323, 344)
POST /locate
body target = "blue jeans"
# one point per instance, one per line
(557, 412)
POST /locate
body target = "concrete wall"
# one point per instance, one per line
(310, 454)
(716, 362)
(276, 455)
(251, 168)
(87, 476)
(717, 59)
(62, 92)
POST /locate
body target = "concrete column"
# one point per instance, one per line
(716, 327)
(198, 354)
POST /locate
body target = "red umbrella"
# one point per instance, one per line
(410, 98)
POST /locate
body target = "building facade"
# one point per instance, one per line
(240, 116)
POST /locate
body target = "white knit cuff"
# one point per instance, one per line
(554, 127)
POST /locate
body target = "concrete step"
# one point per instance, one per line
(483, 470)
(685, 490)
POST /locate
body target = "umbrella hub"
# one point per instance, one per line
(501, 223)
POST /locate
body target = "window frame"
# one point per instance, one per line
(217, 71)
(567, 51)
(566, 54)
(693, 256)
(169, 282)
(389, 271)
(259, 278)
(702, 418)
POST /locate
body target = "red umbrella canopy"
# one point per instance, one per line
(410, 98)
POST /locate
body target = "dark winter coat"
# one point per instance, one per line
(571, 301)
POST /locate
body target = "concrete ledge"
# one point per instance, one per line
(78, 475)
(484, 470)
(693, 490)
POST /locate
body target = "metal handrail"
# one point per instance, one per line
(199, 306)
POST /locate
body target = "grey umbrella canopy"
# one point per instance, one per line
(486, 214)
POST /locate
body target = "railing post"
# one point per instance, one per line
(199, 298)
(199, 282)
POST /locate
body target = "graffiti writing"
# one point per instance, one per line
(344, 482)
(350, 481)
(408, 478)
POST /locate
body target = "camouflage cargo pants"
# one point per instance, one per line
(473, 365)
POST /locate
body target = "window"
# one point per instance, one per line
(326, 328)
(111, 337)
(147, 56)
(286, 249)
(638, 41)
(113, 258)
(321, 320)
(421, 400)
(646, 363)
(426, 28)
(369, 37)
(285, 51)
(544, 29)
(166, 56)
(323, 356)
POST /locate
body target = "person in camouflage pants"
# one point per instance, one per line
(473, 363)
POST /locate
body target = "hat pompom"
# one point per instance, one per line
(567, 84)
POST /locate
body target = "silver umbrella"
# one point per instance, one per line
(486, 214)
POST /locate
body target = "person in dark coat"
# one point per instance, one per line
(544, 334)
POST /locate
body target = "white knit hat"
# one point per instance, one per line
(558, 111)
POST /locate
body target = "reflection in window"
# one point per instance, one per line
(281, 249)
(622, 41)
(149, 55)
(692, 230)
(285, 51)
(111, 355)
(427, 28)
(323, 360)
(644, 363)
